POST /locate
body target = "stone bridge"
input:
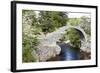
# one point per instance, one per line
(51, 38)
(81, 31)
(48, 47)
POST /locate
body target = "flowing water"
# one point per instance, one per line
(68, 52)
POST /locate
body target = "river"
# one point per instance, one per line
(67, 53)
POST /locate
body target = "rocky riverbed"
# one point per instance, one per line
(83, 56)
(48, 50)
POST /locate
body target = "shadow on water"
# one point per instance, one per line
(67, 53)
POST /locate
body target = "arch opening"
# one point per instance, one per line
(81, 32)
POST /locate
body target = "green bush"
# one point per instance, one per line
(30, 35)
(74, 21)
(51, 20)
(48, 21)
(28, 57)
(29, 44)
(86, 24)
(74, 37)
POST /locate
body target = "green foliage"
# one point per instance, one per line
(30, 35)
(50, 20)
(33, 26)
(27, 56)
(74, 37)
(29, 44)
(29, 17)
(74, 21)
(86, 24)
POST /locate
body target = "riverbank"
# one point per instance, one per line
(83, 56)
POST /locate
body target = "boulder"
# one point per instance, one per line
(46, 52)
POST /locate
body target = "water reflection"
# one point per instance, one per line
(68, 52)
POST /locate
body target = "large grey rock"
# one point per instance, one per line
(86, 46)
(46, 52)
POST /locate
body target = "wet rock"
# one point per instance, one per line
(85, 55)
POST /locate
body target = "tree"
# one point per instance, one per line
(74, 21)
(50, 20)
(86, 24)
(74, 37)
(29, 44)
(30, 35)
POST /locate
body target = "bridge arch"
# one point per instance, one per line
(81, 32)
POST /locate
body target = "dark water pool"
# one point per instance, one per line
(68, 52)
